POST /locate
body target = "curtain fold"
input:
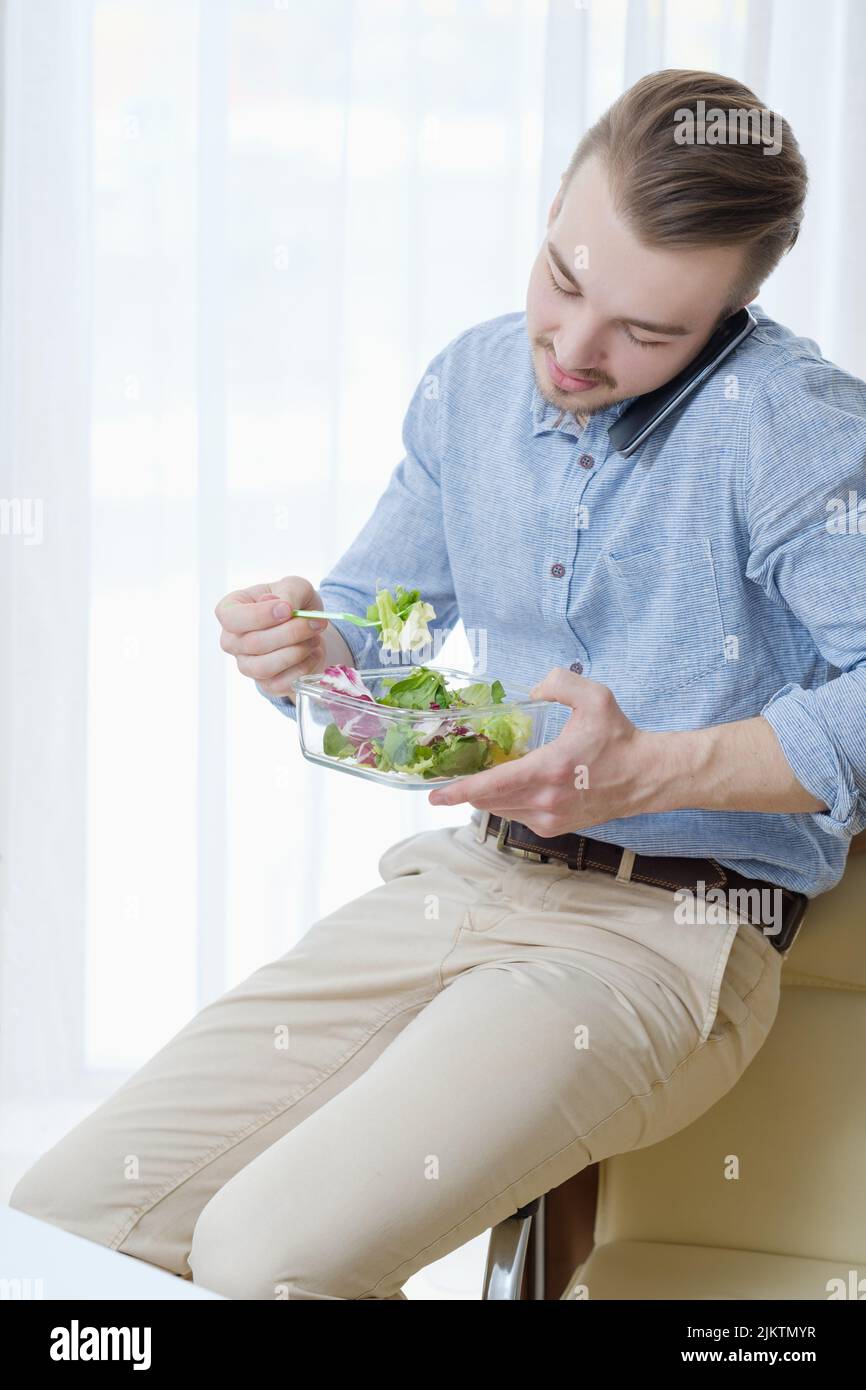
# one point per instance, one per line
(45, 346)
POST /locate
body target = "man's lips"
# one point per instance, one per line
(566, 382)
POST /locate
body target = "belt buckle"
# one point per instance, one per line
(504, 825)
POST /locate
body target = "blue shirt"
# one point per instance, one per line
(717, 574)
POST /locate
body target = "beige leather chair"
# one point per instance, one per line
(668, 1225)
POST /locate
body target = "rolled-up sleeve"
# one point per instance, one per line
(403, 540)
(805, 503)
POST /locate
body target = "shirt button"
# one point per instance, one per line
(586, 461)
(558, 570)
(576, 666)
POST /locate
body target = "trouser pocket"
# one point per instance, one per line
(751, 981)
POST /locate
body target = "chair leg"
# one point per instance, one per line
(506, 1253)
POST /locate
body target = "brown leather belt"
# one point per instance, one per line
(778, 916)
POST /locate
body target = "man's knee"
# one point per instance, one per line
(244, 1259)
(226, 1257)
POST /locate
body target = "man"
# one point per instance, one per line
(483, 1025)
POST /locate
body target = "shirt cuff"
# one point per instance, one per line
(813, 759)
(363, 643)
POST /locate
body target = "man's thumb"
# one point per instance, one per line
(297, 592)
(560, 685)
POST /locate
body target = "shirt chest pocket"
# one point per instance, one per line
(674, 627)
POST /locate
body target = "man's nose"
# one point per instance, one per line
(579, 347)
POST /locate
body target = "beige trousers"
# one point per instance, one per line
(426, 1059)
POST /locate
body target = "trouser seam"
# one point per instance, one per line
(579, 1139)
(455, 938)
(152, 1200)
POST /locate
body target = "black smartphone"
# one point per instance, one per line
(638, 420)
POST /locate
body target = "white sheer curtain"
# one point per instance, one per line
(233, 234)
(45, 536)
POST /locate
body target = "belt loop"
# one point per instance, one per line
(626, 863)
(481, 827)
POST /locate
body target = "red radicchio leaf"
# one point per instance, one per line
(356, 725)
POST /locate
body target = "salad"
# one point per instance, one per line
(453, 742)
(404, 619)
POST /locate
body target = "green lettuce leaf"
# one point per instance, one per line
(481, 693)
(404, 618)
(457, 755)
(399, 748)
(423, 688)
(335, 744)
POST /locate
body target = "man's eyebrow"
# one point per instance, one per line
(672, 330)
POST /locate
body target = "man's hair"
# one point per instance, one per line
(701, 193)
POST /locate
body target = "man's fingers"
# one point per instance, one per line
(295, 632)
(284, 683)
(243, 616)
(512, 784)
(287, 659)
(250, 595)
(485, 789)
(240, 611)
(261, 643)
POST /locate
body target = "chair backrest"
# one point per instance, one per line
(795, 1120)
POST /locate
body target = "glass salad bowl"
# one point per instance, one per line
(439, 724)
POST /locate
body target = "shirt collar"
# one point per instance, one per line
(549, 417)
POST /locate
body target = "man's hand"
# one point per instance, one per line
(602, 768)
(596, 770)
(272, 648)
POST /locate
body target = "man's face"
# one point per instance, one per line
(604, 308)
